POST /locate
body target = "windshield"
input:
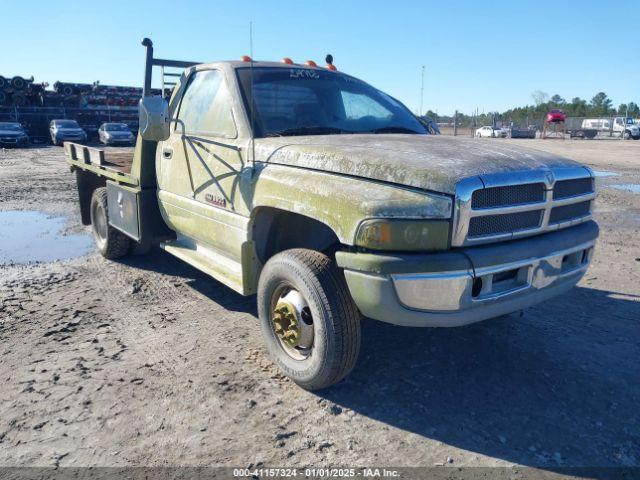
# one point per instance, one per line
(303, 101)
(11, 126)
(67, 124)
(116, 127)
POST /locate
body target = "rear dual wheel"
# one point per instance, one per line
(309, 320)
(111, 243)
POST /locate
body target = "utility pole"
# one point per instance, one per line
(455, 123)
(421, 93)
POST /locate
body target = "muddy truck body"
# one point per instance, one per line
(329, 201)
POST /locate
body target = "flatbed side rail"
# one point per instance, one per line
(93, 160)
(76, 151)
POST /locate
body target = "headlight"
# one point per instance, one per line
(403, 235)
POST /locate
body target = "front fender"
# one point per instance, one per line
(339, 201)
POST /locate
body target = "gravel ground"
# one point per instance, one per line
(149, 362)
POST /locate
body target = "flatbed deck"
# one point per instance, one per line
(113, 163)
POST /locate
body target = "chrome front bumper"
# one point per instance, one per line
(462, 290)
(478, 286)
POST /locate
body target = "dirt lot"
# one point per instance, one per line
(149, 362)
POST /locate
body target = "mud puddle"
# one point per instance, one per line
(604, 174)
(31, 236)
(627, 187)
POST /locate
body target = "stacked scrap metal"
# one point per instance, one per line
(19, 91)
(116, 95)
(90, 104)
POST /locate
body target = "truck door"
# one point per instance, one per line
(199, 165)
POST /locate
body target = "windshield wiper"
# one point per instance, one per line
(311, 130)
(393, 129)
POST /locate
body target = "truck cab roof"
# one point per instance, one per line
(257, 64)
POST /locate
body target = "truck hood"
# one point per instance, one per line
(430, 162)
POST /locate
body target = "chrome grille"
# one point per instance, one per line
(569, 212)
(499, 224)
(572, 188)
(514, 204)
(508, 195)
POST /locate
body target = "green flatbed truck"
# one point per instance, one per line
(330, 201)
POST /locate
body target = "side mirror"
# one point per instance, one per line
(154, 118)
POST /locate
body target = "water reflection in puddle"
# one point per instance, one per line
(604, 173)
(629, 187)
(36, 237)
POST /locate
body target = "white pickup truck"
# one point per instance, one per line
(615, 126)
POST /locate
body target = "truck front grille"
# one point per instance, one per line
(569, 212)
(500, 224)
(508, 195)
(491, 209)
(572, 188)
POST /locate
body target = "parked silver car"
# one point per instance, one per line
(116, 134)
(66, 131)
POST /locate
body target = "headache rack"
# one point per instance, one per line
(162, 63)
(517, 204)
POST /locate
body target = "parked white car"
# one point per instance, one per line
(488, 131)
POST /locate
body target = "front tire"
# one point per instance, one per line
(309, 321)
(111, 243)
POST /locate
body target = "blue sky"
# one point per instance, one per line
(486, 54)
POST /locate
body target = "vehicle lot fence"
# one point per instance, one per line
(36, 119)
(604, 127)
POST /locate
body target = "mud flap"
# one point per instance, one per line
(87, 182)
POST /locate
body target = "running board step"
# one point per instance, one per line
(206, 260)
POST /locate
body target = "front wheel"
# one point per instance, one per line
(111, 243)
(626, 135)
(309, 321)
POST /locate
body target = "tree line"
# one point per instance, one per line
(599, 106)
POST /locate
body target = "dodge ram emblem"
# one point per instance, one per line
(550, 177)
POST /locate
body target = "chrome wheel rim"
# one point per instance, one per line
(292, 322)
(99, 220)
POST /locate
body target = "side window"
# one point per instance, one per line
(206, 106)
(357, 106)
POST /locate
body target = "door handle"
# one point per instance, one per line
(167, 152)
